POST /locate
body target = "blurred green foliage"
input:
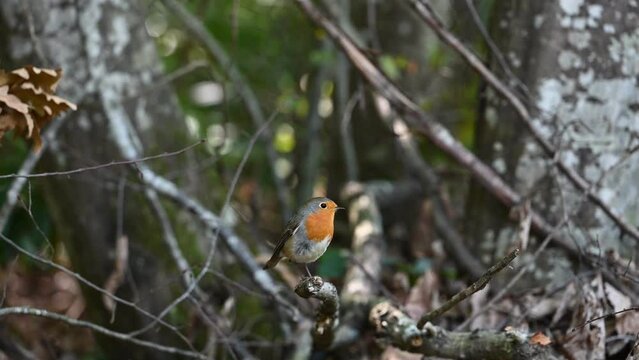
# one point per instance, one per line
(332, 265)
(31, 234)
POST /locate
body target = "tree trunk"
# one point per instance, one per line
(581, 74)
(110, 66)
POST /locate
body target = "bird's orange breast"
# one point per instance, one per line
(319, 225)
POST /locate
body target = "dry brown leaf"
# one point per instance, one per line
(4, 78)
(626, 322)
(539, 338)
(493, 317)
(26, 97)
(22, 72)
(588, 342)
(45, 105)
(11, 101)
(423, 296)
(54, 291)
(47, 79)
(30, 124)
(117, 275)
(7, 123)
(568, 300)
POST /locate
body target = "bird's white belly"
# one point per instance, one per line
(306, 251)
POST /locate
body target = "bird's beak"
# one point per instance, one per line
(340, 208)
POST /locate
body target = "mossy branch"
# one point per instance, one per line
(395, 328)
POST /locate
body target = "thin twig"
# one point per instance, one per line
(632, 308)
(513, 280)
(93, 286)
(494, 49)
(97, 328)
(473, 288)
(348, 146)
(27, 166)
(102, 166)
(309, 166)
(126, 137)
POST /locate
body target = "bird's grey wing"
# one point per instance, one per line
(291, 228)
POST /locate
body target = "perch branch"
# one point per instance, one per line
(473, 288)
(327, 313)
(430, 18)
(397, 329)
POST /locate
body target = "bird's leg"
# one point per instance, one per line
(307, 271)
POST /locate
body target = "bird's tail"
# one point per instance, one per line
(272, 262)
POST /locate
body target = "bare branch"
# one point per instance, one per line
(524, 268)
(348, 147)
(26, 168)
(396, 328)
(423, 9)
(473, 288)
(590, 321)
(125, 138)
(102, 166)
(93, 286)
(312, 146)
(99, 329)
(327, 313)
(433, 130)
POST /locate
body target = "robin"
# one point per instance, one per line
(307, 234)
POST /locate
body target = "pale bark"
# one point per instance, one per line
(579, 61)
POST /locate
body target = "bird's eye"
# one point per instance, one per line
(323, 205)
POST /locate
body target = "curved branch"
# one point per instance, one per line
(397, 329)
(473, 288)
(426, 13)
(327, 313)
(430, 128)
